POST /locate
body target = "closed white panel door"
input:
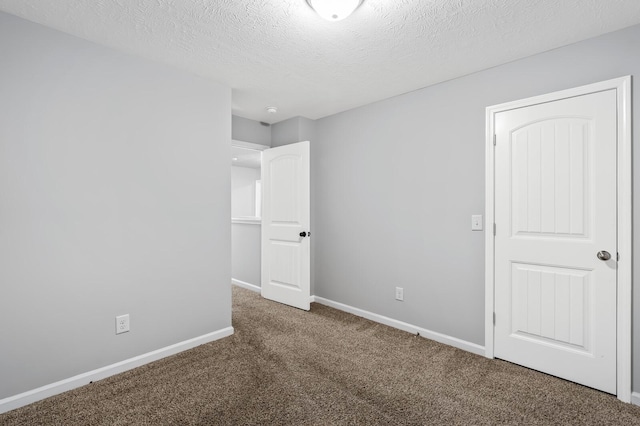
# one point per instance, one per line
(555, 213)
(286, 260)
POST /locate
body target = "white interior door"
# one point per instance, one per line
(555, 215)
(286, 257)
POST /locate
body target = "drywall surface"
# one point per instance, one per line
(285, 132)
(246, 252)
(246, 130)
(243, 191)
(396, 183)
(114, 199)
(306, 129)
(296, 129)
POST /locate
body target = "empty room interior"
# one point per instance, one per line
(453, 179)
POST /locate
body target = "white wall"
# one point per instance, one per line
(243, 191)
(114, 198)
(397, 182)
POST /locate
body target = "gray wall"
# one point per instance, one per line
(372, 232)
(246, 130)
(293, 130)
(246, 252)
(114, 198)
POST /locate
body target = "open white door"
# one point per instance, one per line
(286, 254)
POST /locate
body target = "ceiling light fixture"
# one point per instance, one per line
(334, 10)
(271, 109)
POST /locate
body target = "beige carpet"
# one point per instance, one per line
(324, 367)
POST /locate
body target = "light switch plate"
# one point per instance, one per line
(476, 222)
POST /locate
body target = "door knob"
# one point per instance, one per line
(604, 255)
(303, 234)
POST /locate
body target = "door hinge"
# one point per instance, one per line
(494, 229)
(494, 318)
(494, 140)
(617, 257)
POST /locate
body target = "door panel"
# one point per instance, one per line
(284, 264)
(550, 191)
(286, 257)
(283, 195)
(551, 305)
(555, 209)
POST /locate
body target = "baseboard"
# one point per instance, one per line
(433, 335)
(26, 398)
(246, 285)
(635, 398)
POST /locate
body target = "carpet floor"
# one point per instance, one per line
(284, 366)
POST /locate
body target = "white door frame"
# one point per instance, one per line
(624, 191)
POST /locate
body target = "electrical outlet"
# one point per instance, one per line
(399, 293)
(476, 222)
(122, 323)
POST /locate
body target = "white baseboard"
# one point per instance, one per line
(26, 398)
(246, 285)
(635, 398)
(433, 335)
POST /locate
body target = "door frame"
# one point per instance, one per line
(622, 86)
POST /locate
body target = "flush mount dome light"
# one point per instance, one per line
(334, 10)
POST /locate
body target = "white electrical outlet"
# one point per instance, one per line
(122, 323)
(476, 222)
(399, 293)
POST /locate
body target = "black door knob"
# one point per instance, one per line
(303, 234)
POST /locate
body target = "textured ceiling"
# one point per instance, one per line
(279, 52)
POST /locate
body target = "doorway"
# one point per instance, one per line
(558, 262)
(246, 216)
(286, 221)
(270, 227)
